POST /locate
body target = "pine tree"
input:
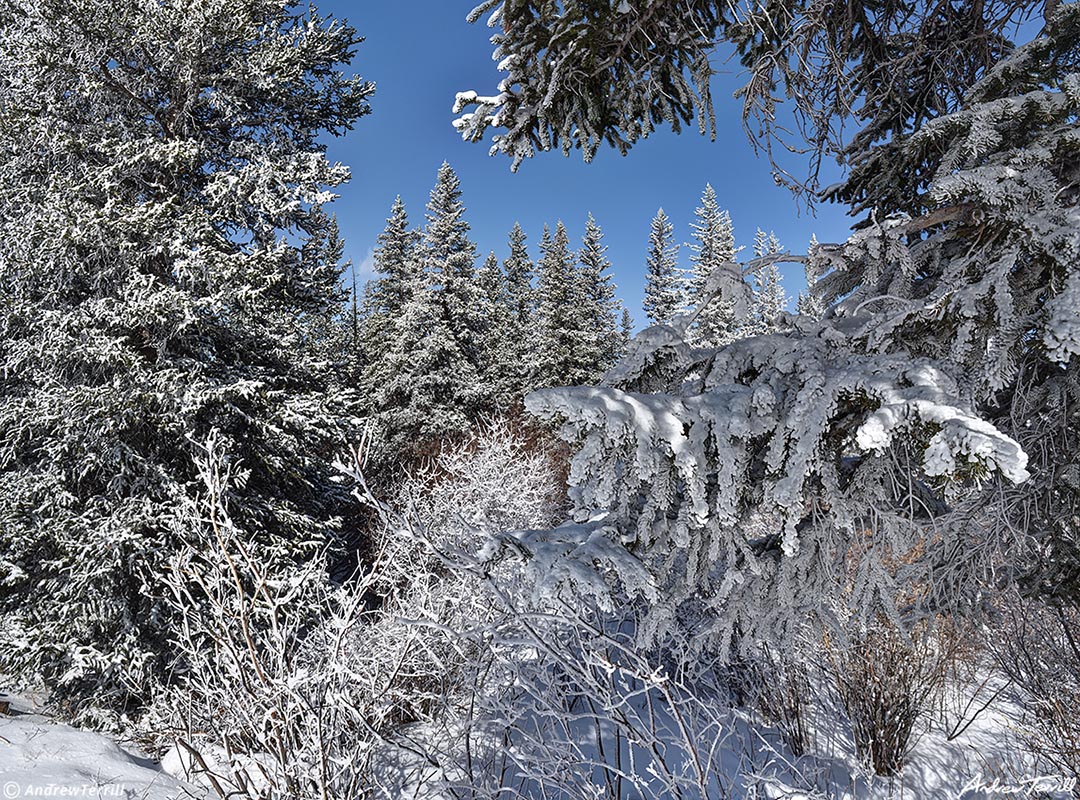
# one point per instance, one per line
(451, 255)
(599, 306)
(626, 332)
(393, 259)
(521, 296)
(431, 382)
(714, 248)
(769, 300)
(333, 343)
(810, 304)
(386, 297)
(432, 389)
(165, 264)
(519, 279)
(561, 323)
(663, 285)
(500, 350)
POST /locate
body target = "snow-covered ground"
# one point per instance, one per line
(964, 751)
(41, 758)
(969, 749)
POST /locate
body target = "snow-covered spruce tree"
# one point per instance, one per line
(161, 182)
(600, 305)
(882, 430)
(768, 301)
(392, 259)
(450, 253)
(767, 245)
(653, 65)
(891, 67)
(866, 429)
(986, 282)
(385, 297)
(519, 278)
(499, 351)
(561, 313)
(431, 386)
(329, 344)
(432, 381)
(521, 296)
(713, 247)
(809, 303)
(770, 479)
(626, 332)
(664, 291)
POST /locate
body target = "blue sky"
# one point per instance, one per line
(421, 58)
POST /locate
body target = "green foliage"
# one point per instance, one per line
(166, 271)
(584, 74)
(714, 246)
(664, 294)
(428, 382)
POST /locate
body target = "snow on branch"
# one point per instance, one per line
(743, 476)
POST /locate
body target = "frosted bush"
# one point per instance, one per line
(1038, 646)
(290, 685)
(495, 481)
(887, 682)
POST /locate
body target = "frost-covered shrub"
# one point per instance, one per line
(1037, 645)
(571, 705)
(266, 700)
(290, 685)
(887, 682)
(559, 701)
(574, 709)
(779, 686)
(546, 690)
(501, 478)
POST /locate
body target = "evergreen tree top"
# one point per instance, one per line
(395, 242)
(518, 262)
(491, 278)
(664, 291)
(446, 231)
(592, 254)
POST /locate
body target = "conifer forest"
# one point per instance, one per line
(541, 522)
